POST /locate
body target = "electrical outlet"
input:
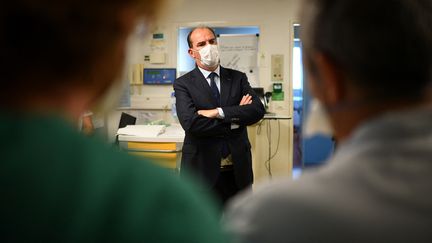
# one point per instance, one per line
(277, 64)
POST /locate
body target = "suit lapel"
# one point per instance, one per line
(201, 82)
(225, 85)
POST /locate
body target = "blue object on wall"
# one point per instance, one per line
(159, 75)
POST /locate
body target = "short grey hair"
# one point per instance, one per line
(383, 47)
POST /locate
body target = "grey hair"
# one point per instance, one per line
(383, 47)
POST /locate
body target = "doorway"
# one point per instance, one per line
(311, 151)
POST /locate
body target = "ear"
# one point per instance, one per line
(190, 52)
(330, 84)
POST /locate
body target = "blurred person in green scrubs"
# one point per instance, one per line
(58, 58)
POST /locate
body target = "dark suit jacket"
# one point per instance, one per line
(204, 138)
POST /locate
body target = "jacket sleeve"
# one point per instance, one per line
(247, 114)
(190, 120)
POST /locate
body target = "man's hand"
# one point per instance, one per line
(246, 100)
(209, 113)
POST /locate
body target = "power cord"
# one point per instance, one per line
(267, 163)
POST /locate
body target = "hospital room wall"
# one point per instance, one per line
(274, 19)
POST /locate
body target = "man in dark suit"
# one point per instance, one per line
(214, 106)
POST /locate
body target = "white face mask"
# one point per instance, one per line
(317, 121)
(209, 55)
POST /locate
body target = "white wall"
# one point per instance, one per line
(275, 19)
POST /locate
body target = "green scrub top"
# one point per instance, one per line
(60, 186)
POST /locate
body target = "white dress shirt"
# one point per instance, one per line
(217, 81)
(218, 84)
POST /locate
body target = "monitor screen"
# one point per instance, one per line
(159, 75)
(126, 119)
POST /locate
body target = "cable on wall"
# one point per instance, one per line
(267, 163)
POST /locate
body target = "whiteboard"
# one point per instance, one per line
(240, 52)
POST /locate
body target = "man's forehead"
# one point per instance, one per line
(202, 34)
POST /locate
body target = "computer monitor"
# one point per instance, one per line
(126, 119)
